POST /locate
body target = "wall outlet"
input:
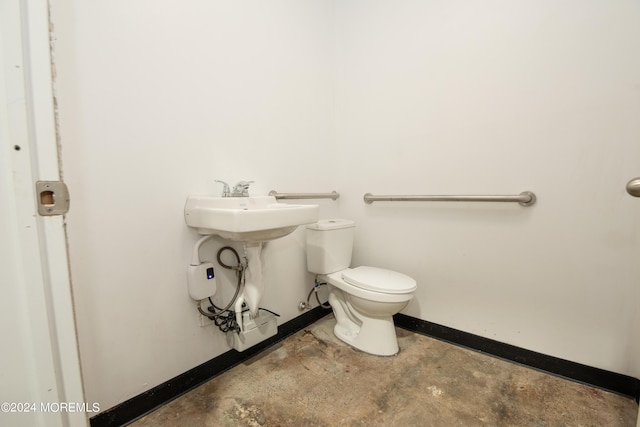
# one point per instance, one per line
(205, 321)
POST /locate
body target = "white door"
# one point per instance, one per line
(40, 380)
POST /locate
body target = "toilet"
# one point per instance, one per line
(363, 299)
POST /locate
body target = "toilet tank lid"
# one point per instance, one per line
(380, 280)
(331, 224)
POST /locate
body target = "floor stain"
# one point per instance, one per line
(314, 379)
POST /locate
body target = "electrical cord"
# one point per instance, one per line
(228, 323)
(272, 312)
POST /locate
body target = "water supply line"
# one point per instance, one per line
(307, 305)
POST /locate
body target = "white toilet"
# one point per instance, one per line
(363, 299)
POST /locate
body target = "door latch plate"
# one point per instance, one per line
(53, 198)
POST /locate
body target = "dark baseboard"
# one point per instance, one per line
(606, 380)
(146, 402)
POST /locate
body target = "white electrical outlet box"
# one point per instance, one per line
(201, 281)
(254, 330)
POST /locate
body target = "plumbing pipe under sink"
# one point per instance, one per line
(253, 289)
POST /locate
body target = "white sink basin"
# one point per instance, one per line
(246, 219)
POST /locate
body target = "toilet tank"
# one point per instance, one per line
(329, 245)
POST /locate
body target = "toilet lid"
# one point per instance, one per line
(379, 280)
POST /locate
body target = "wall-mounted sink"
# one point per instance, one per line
(246, 219)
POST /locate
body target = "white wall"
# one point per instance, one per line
(498, 97)
(157, 99)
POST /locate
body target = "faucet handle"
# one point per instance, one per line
(225, 188)
(241, 189)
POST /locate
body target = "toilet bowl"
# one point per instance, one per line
(364, 309)
(364, 299)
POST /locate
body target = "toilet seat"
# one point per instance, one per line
(379, 280)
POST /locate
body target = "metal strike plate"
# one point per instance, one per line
(53, 198)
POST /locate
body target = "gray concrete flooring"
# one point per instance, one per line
(313, 379)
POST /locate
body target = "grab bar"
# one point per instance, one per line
(333, 195)
(526, 198)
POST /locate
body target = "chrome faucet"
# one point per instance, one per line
(225, 188)
(241, 189)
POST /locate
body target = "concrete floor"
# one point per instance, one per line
(313, 379)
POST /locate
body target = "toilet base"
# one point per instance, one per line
(373, 335)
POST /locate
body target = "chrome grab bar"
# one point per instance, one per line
(526, 198)
(333, 195)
